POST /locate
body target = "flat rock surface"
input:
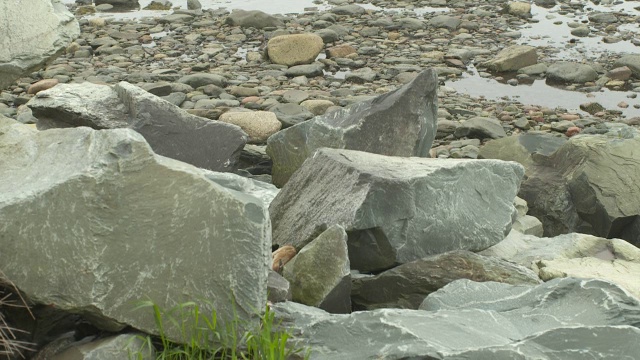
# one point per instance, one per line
(396, 209)
(110, 223)
(469, 317)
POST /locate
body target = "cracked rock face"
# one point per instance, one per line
(397, 210)
(170, 131)
(398, 123)
(470, 320)
(32, 38)
(93, 221)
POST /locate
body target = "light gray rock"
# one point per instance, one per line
(252, 18)
(394, 209)
(399, 123)
(407, 285)
(169, 130)
(32, 38)
(570, 72)
(294, 49)
(631, 61)
(320, 274)
(193, 5)
(361, 76)
(528, 225)
(480, 128)
(445, 21)
(107, 223)
(113, 347)
(524, 148)
(466, 316)
(574, 255)
(518, 8)
(513, 58)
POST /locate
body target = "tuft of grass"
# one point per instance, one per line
(10, 345)
(202, 338)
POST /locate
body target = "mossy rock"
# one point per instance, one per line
(85, 10)
(156, 5)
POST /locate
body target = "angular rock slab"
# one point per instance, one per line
(113, 347)
(407, 285)
(589, 185)
(93, 221)
(32, 38)
(524, 148)
(397, 210)
(169, 130)
(320, 275)
(468, 316)
(574, 255)
(398, 123)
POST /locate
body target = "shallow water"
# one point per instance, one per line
(547, 34)
(539, 93)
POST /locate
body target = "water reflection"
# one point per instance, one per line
(539, 93)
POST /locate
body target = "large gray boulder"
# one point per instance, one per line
(394, 209)
(398, 123)
(570, 72)
(575, 255)
(407, 285)
(320, 274)
(169, 130)
(588, 186)
(31, 38)
(93, 221)
(466, 317)
(524, 148)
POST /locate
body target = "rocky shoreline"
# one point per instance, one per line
(341, 107)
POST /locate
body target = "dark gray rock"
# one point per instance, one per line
(399, 123)
(570, 72)
(113, 223)
(320, 274)
(291, 114)
(351, 10)
(394, 209)
(252, 18)
(586, 186)
(309, 70)
(480, 128)
(473, 317)
(32, 38)
(169, 130)
(278, 288)
(197, 80)
(407, 285)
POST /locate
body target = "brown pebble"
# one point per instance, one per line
(282, 256)
(574, 130)
(42, 85)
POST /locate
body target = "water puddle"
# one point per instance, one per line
(271, 7)
(539, 93)
(553, 32)
(419, 12)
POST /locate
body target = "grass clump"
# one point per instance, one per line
(201, 337)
